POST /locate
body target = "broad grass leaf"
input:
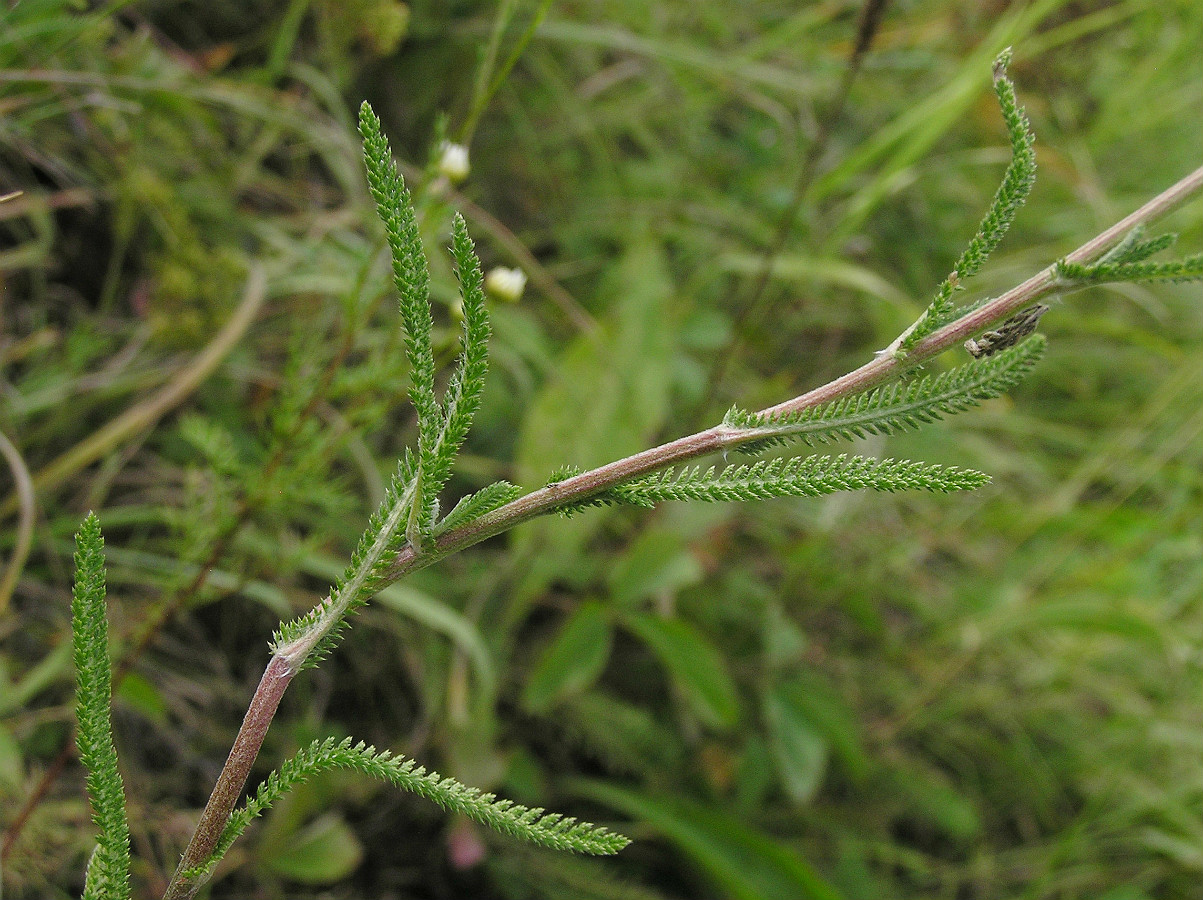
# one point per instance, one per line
(434, 614)
(826, 713)
(931, 798)
(138, 692)
(608, 396)
(694, 664)
(55, 667)
(655, 564)
(799, 750)
(745, 864)
(573, 661)
(12, 762)
(325, 851)
(610, 390)
(898, 145)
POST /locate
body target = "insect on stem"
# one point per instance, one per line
(1008, 334)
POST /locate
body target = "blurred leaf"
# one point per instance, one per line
(745, 864)
(606, 398)
(55, 666)
(799, 749)
(655, 564)
(434, 614)
(1183, 849)
(325, 851)
(12, 761)
(573, 661)
(609, 390)
(918, 125)
(137, 692)
(755, 780)
(807, 697)
(696, 666)
(784, 641)
(1087, 616)
(932, 799)
(1125, 892)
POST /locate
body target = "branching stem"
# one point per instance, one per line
(572, 491)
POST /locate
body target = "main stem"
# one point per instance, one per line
(232, 779)
(572, 490)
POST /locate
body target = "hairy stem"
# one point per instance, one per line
(231, 781)
(587, 484)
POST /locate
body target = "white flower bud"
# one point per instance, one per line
(505, 284)
(453, 162)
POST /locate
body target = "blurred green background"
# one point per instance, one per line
(864, 696)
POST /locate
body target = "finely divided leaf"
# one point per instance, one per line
(546, 829)
(109, 868)
(487, 499)
(1133, 249)
(410, 271)
(810, 476)
(1011, 195)
(381, 541)
(894, 407)
(468, 380)
(1189, 268)
(410, 508)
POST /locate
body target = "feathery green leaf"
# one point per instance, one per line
(534, 825)
(1189, 268)
(568, 510)
(467, 382)
(809, 476)
(897, 406)
(1011, 195)
(412, 277)
(410, 271)
(109, 868)
(473, 506)
(381, 541)
(1133, 249)
(410, 508)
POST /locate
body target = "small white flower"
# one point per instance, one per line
(505, 284)
(453, 162)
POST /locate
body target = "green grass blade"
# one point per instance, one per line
(745, 864)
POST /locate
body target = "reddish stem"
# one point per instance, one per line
(232, 779)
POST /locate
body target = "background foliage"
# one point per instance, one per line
(983, 695)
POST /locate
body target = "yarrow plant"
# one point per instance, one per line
(410, 531)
